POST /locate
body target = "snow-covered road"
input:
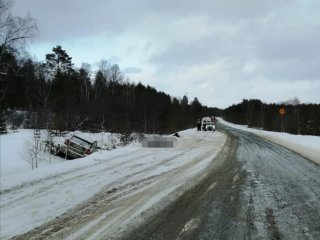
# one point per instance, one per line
(259, 191)
(98, 197)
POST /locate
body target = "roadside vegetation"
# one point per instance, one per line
(299, 118)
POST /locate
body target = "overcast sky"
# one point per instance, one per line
(220, 51)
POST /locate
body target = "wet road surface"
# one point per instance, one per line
(259, 190)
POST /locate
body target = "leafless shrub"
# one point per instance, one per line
(31, 151)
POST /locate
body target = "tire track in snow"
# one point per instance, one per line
(59, 175)
(58, 180)
(98, 204)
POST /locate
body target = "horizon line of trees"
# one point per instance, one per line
(56, 95)
(299, 118)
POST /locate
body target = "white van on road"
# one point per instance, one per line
(207, 124)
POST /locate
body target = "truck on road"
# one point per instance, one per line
(207, 124)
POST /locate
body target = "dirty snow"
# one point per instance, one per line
(131, 180)
(305, 145)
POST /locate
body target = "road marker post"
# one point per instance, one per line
(282, 112)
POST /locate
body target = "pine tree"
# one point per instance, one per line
(3, 125)
(58, 61)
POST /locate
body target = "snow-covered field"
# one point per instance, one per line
(305, 145)
(14, 153)
(101, 193)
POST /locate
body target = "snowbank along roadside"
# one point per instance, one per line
(305, 145)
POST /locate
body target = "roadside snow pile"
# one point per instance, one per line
(305, 145)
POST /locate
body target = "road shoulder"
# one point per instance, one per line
(309, 153)
(306, 146)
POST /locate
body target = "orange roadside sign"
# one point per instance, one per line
(282, 111)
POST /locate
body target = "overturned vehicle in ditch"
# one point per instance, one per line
(77, 147)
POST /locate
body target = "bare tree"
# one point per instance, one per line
(44, 92)
(85, 75)
(14, 31)
(32, 150)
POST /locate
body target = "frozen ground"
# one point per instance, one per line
(305, 145)
(14, 156)
(101, 195)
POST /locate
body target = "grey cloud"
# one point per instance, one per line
(289, 53)
(290, 43)
(279, 38)
(114, 59)
(129, 70)
(190, 53)
(207, 50)
(290, 70)
(67, 19)
(280, 51)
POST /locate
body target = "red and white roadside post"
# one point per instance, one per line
(282, 112)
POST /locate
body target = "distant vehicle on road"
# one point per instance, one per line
(207, 124)
(77, 147)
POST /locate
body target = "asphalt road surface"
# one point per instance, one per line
(259, 190)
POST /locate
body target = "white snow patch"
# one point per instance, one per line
(211, 186)
(189, 227)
